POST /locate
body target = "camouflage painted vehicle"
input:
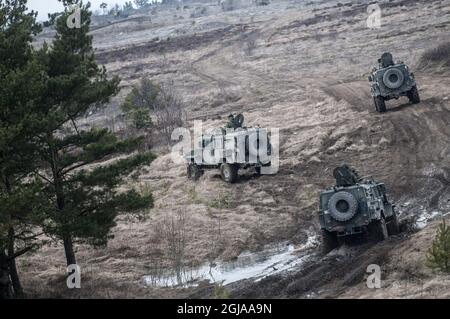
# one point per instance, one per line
(391, 81)
(255, 143)
(261, 2)
(355, 206)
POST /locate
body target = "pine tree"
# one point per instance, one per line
(80, 171)
(20, 83)
(138, 104)
(438, 256)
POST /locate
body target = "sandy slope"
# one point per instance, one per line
(305, 74)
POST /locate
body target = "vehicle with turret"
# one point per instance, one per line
(355, 206)
(261, 2)
(231, 149)
(391, 80)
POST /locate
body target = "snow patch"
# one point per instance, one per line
(426, 217)
(272, 260)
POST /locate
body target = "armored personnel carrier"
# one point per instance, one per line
(391, 80)
(355, 206)
(230, 149)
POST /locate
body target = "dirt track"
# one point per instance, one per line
(305, 74)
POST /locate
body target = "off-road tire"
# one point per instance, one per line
(377, 230)
(229, 172)
(393, 226)
(194, 172)
(330, 241)
(348, 200)
(413, 95)
(399, 76)
(380, 104)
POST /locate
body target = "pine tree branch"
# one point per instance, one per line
(74, 167)
(33, 237)
(74, 125)
(45, 178)
(22, 251)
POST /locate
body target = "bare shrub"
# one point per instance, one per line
(174, 233)
(249, 45)
(216, 243)
(169, 112)
(155, 270)
(438, 56)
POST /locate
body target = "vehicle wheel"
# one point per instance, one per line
(393, 78)
(193, 171)
(380, 104)
(413, 95)
(330, 241)
(258, 170)
(342, 206)
(393, 227)
(229, 172)
(378, 230)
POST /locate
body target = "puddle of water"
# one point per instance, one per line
(257, 265)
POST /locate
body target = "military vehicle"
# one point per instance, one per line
(391, 80)
(355, 206)
(230, 149)
(261, 2)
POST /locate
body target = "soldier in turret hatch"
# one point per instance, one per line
(230, 123)
(235, 121)
(386, 60)
(392, 80)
